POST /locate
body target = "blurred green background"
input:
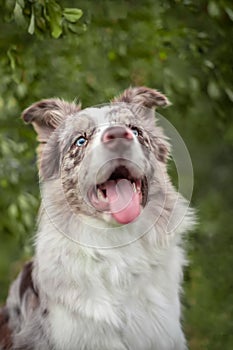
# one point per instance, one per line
(93, 50)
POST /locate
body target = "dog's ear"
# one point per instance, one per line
(143, 96)
(150, 98)
(46, 116)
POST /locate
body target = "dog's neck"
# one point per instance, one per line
(105, 286)
(62, 262)
(70, 247)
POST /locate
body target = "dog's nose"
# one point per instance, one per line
(115, 134)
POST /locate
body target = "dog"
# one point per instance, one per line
(107, 270)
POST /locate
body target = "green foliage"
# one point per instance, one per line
(182, 47)
(41, 16)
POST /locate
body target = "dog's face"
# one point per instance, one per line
(108, 158)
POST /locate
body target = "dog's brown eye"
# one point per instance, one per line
(81, 141)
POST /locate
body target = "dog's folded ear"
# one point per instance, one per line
(143, 96)
(47, 115)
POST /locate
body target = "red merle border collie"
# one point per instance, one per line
(107, 272)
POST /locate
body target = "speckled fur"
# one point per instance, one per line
(93, 298)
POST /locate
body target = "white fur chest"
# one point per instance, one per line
(128, 299)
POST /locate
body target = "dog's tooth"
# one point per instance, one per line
(138, 185)
(134, 187)
(100, 195)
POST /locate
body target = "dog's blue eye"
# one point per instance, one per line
(81, 141)
(135, 132)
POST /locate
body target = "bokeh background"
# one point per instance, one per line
(93, 50)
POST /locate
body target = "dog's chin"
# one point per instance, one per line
(121, 197)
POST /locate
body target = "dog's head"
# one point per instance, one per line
(109, 159)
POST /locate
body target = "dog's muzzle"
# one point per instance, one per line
(121, 186)
(122, 194)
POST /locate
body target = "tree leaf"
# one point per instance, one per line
(213, 9)
(72, 14)
(229, 12)
(31, 27)
(229, 93)
(11, 56)
(55, 18)
(21, 3)
(18, 14)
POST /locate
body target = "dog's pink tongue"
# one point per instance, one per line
(124, 202)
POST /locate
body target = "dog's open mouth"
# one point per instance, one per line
(122, 195)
